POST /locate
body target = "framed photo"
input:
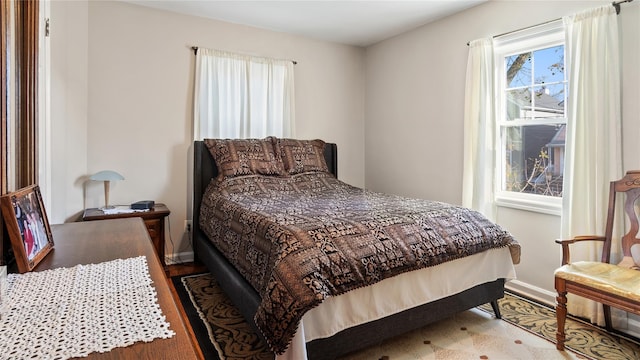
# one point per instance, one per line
(28, 226)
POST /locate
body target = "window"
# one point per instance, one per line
(531, 120)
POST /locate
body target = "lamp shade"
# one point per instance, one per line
(107, 176)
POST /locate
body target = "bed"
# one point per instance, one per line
(468, 281)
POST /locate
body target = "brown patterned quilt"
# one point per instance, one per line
(301, 239)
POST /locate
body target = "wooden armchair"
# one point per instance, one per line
(616, 285)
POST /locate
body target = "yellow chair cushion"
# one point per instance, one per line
(609, 278)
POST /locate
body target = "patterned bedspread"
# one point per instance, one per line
(301, 239)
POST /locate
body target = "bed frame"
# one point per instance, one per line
(243, 295)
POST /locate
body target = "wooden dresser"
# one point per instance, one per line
(105, 240)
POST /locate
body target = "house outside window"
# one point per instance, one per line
(531, 89)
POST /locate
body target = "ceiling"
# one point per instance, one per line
(351, 22)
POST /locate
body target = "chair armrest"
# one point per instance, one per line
(566, 242)
(576, 239)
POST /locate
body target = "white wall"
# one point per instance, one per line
(133, 109)
(69, 87)
(414, 115)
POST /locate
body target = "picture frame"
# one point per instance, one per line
(28, 226)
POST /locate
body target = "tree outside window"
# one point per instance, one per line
(533, 121)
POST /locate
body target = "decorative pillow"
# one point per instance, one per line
(237, 157)
(300, 156)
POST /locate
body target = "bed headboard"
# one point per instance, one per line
(204, 169)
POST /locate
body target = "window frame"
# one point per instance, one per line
(44, 107)
(543, 36)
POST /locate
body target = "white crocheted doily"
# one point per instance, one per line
(72, 312)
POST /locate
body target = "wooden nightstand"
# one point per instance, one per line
(153, 220)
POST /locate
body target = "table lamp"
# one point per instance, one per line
(107, 176)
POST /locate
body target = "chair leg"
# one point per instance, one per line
(496, 309)
(561, 316)
(607, 317)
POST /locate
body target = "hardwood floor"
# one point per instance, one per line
(179, 270)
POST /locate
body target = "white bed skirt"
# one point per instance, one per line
(394, 295)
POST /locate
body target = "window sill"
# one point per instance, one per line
(530, 202)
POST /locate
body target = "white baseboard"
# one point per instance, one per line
(179, 258)
(532, 292)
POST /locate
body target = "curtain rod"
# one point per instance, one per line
(615, 4)
(195, 51)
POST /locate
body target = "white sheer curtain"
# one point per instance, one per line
(240, 96)
(479, 129)
(593, 144)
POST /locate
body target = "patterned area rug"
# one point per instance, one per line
(527, 332)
